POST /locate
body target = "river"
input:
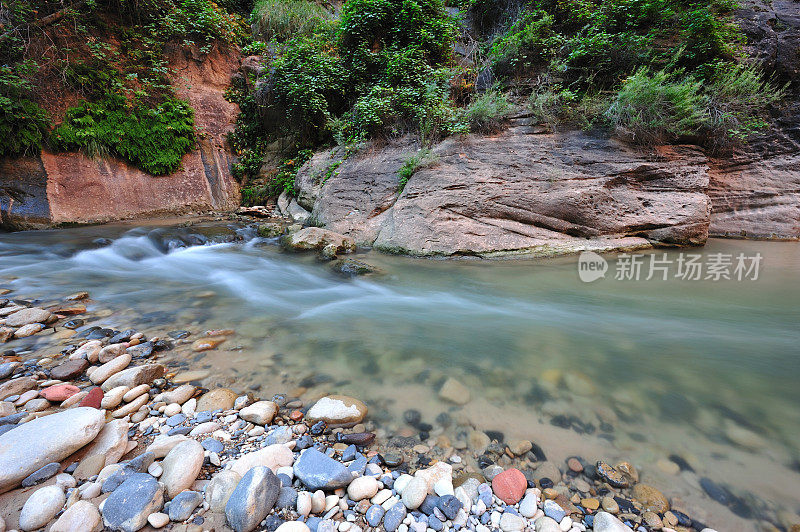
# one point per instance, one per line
(657, 372)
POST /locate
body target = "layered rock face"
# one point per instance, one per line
(517, 192)
(71, 188)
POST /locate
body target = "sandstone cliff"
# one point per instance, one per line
(59, 188)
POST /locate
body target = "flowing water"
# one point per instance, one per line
(705, 372)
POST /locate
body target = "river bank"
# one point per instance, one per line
(158, 281)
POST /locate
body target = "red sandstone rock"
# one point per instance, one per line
(93, 398)
(59, 392)
(510, 486)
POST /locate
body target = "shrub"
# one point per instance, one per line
(529, 42)
(551, 104)
(737, 99)
(279, 20)
(23, 124)
(154, 139)
(422, 159)
(486, 113)
(657, 107)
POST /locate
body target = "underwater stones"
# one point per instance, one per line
(337, 411)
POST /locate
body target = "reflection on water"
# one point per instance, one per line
(643, 370)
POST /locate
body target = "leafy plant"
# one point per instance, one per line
(154, 139)
(23, 124)
(414, 163)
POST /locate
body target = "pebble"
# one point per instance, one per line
(511, 522)
(254, 497)
(217, 399)
(181, 467)
(317, 471)
(529, 504)
(374, 515)
(510, 485)
(259, 413)
(41, 507)
(41, 475)
(553, 510)
(81, 516)
(650, 497)
(219, 489)
(158, 519)
(304, 503)
(394, 517)
(605, 522)
(183, 504)
(362, 488)
(610, 505)
(452, 390)
(337, 411)
(128, 506)
(109, 369)
(414, 493)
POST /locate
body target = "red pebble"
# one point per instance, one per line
(510, 486)
(93, 398)
(296, 415)
(59, 392)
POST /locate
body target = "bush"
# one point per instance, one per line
(23, 124)
(529, 42)
(486, 113)
(550, 105)
(280, 20)
(737, 100)
(154, 139)
(656, 107)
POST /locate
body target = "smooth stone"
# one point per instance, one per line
(33, 445)
(82, 516)
(158, 520)
(181, 467)
(179, 395)
(128, 506)
(90, 466)
(220, 489)
(414, 493)
(511, 522)
(605, 522)
(28, 316)
(394, 517)
(454, 391)
(111, 443)
(272, 456)
(93, 398)
(362, 488)
(69, 369)
(59, 392)
(17, 387)
(216, 399)
(133, 393)
(554, 511)
(212, 445)
(259, 413)
(162, 445)
(651, 498)
(41, 475)
(293, 526)
(254, 497)
(374, 515)
(546, 524)
(111, 352)
(135, 376)
(41, 507)
(183, 504)
(28, 330)
(110, 368)
(510, 485)
(337, 411)
(287, 499)
(304, 503)
(317, 471)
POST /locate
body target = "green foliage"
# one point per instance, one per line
(551, 104)
(486, 113)
(154, 139)
(414, 163)
(529, 42)
(654, 107)
(23, 124)
(737, 99)
(279, 20)
(281, 181)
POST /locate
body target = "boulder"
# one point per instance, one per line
(337, 411)
(44, 440)
(319, 472)
(316, 238)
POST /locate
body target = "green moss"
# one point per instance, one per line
(152, 138)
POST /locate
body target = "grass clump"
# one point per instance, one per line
(424, 158)
(487, 112)
(280, 20)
